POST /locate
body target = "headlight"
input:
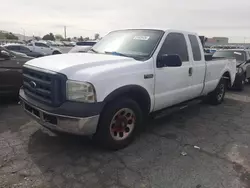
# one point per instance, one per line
(80, 91)
(239, 70)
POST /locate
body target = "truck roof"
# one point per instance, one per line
(163, 30)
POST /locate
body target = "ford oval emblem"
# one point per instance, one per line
(33, 84)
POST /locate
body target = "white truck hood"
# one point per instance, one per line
(83, 63)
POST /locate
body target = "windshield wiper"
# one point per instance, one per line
(117, 53)
(92, 50)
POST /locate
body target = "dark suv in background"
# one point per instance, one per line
(242, 57)
(11, 65)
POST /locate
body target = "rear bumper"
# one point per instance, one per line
(86, 125)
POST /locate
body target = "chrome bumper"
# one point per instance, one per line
(73, 125)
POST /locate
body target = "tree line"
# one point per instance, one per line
(11, 36)
(53, 37)
(50, 36)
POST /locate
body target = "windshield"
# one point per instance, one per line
(132, 43)
(238, 55)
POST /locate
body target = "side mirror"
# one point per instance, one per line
(169, 61)
(4, 54)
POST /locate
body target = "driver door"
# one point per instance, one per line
(173, 83)
(10, 74)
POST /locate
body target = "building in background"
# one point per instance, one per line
(217, 41)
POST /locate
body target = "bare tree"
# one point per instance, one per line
(97, 36)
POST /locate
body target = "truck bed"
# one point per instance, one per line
(215, 68)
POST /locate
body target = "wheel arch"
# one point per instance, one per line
(226, 75)
(136, 92)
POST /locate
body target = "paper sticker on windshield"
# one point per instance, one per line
(141, 37)
(237, 53)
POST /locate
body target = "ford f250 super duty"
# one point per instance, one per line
(126, 76)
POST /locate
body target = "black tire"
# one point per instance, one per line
(56, 52)
(240, 86)
(217, 96)
(247, 81)
(104, 136)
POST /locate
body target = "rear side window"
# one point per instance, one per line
(24, 49)
(14, 48)
(195, 47)
(41, 45)
(175, 43)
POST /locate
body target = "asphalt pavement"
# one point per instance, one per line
(201, 146)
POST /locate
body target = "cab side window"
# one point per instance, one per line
(24, 49)
(41, 45)
(175, 44)
(195, 47)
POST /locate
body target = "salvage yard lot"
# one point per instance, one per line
(163, 156)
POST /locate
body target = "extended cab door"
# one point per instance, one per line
(172, 84)
(198, 65)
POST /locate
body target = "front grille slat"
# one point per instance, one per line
(38, 90)
(37, 97)
(36, 79)
(48, 88)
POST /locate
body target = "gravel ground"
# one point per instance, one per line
(201, 146)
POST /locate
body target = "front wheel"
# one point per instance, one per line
(217, 96)
(119, 123)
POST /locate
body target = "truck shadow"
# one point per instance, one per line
(78, 155)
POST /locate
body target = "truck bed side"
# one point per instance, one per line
(215, 69)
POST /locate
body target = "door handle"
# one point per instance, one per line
(190, 71)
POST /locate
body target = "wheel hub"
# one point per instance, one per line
(221, 92)
(122, 124)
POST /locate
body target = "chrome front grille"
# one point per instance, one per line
(45, 87)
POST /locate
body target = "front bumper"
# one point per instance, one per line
(59, 122)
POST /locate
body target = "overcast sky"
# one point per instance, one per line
(86, 17)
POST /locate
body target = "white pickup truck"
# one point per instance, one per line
(41, 47)
(126, 76)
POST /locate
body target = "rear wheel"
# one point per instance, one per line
(217, 96)
(119, 123)
(56, 52)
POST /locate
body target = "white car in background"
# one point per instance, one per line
(82, 47)
(41, 47)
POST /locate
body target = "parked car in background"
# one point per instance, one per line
(126, 76)
(41, 47)
(11, 65)
(23, 49)
(82, 47)
(242, 57)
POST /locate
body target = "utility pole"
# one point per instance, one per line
(24, 36)
(65, 32)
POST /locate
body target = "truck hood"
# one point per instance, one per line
(89, 63)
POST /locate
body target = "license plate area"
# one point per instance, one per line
(44, 117)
